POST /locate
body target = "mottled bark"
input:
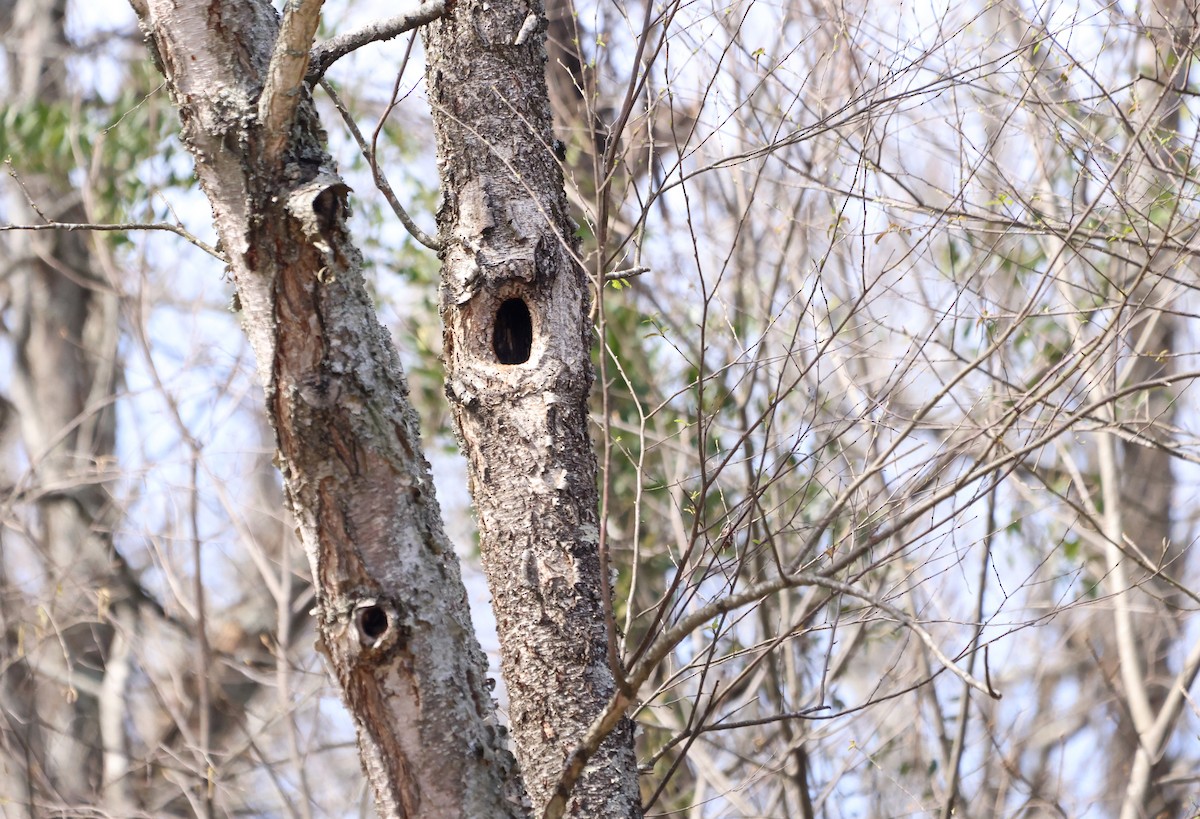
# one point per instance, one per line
(392, 612)
(515, 303)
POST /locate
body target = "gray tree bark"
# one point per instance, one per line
(515, 304)
(392, 612)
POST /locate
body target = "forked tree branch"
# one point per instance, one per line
(392, 614)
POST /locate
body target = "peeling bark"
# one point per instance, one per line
(392, 611)
(515, 303)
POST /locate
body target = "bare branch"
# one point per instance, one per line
(626, 274)
(1155, 740)
(664, 645)
(327, 53)
(122, 228)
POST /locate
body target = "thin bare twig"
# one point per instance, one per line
(121, 228)
(625, 695)
(431, 242)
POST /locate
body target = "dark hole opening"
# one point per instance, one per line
(372, 622)
(512, 337)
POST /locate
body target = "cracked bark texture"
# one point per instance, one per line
(518, 384)
(392, 612)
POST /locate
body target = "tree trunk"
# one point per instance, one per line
(392, 610)
(515, 303)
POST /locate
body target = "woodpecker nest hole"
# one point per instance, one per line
(512, 332)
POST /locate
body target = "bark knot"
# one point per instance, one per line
(321, 206)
